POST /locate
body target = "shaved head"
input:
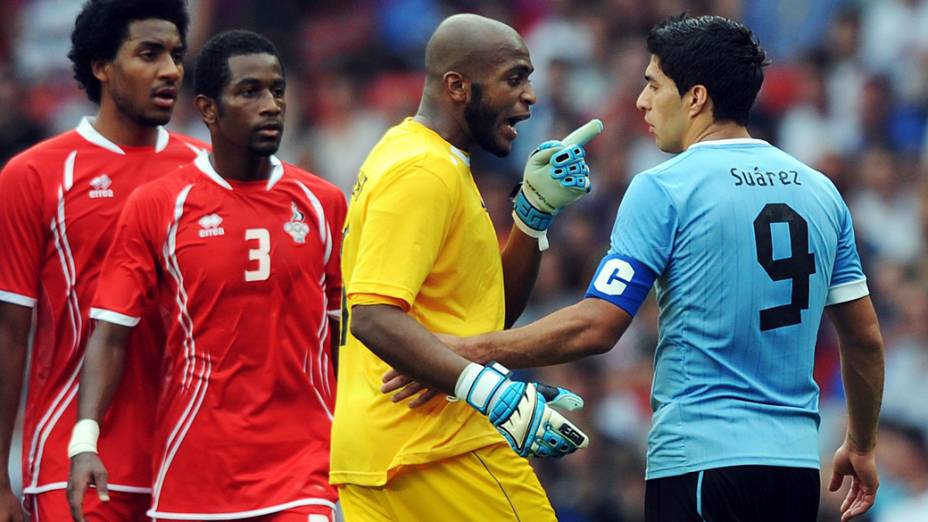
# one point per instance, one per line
(469, 44)
(477, 85)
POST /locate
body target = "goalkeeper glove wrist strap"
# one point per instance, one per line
(84, 437)
(478, 384)
(530, 220)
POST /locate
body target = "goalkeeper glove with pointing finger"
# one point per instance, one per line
(555, 175)
(522, 412)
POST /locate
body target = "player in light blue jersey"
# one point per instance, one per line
(747, 246)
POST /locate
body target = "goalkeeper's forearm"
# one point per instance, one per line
(407, 346)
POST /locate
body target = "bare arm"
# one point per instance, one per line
(589, 327)
(405, 345)
(861, 347)
(521, 258)
(103, 364)
(15, 321)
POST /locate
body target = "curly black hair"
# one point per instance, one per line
(211, 72)
(102, 26)
(718, 53)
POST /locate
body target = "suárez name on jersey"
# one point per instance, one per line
(759, 178)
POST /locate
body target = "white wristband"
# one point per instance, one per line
(84, 437)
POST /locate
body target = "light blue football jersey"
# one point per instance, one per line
(747, 245)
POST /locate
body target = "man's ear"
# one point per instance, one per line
(457, 87)
(101, 70)
(697, 100)
(208, 108)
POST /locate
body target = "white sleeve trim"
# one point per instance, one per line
(114, 317)
(335, 314)
(847, 292)
(17, 299)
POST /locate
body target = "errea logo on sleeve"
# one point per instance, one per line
(100, 187)
(209, 225)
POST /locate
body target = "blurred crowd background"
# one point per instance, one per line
(847, 92)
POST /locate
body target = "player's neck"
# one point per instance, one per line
(443, 124)
(121, 129)
(716, 131)
(236, 165)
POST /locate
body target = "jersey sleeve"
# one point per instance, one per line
(129, 272)
(405, 224)
(22, 233)
(333, 273)
(641, 244)
(848, 281)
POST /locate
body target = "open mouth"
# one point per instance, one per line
(510, 127)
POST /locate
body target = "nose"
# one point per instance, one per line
(270, 104)
(528, 95)
(643, 102)
(171, 70)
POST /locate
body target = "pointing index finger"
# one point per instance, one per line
(585, 133)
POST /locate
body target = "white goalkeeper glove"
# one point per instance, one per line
(555, 175)
(522, 412)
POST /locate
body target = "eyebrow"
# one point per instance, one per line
(159, 45)
(251, 81)
(521, 68)
(650, 78)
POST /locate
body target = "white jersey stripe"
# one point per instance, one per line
(17, 299)
(72, 387)
(48, 421)
(326, 235)
(847, 292)
(186, 419)
(69, 170)
(71, 293)
(321, 223)
(170, 261)
(169, 458)
(241, 514)
(114, 317)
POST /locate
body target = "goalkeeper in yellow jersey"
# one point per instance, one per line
(420, 255)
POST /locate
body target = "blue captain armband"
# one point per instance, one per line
(622, 281)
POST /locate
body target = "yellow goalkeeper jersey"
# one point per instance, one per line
(417, 235)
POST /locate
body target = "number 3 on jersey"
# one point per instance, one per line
(799, 267)
(259, 254)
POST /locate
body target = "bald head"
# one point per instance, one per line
(469, 44)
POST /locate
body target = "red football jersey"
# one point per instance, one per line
(249, 272)
(59, 206)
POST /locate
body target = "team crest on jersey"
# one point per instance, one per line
(296, 227)
(209, 225)
(100, 187)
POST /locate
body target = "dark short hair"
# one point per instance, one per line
(718, 53)
(212, 73)
(103, 25)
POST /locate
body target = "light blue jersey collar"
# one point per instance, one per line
(729, 141)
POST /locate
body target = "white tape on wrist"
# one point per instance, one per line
(84, 437)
